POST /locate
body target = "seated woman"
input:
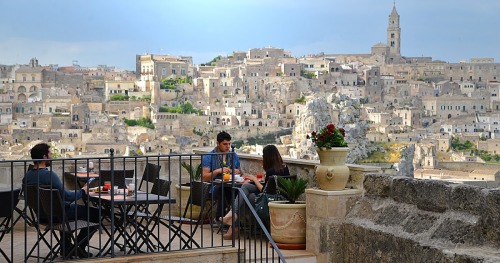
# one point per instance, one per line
(273, 165)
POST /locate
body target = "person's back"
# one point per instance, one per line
(42, 176)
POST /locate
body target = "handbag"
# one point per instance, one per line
(262, 201)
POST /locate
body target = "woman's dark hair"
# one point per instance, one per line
(39, 150)
(271, 158)
(223, 136)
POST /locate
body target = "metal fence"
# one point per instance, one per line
(143, 204)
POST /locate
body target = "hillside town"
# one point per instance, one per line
(261, 96)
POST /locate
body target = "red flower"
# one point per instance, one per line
(328, 137)
(341, 130)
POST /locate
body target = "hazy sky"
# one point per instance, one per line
(112, 32)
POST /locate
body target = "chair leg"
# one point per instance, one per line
(5, 255)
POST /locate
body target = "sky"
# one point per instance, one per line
(113, 32)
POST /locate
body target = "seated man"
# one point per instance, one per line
(214, 166)
(42, 175)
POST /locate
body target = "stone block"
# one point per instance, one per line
(419, 222)
(377, 184)
(313, 241)
(330, 204)
(466, 198)
(403, 190)
(428, 195)
(490, 217)
(432, 195)
(457, 232)
(392, 215)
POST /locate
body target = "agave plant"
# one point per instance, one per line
(291, 189)
(194, 171)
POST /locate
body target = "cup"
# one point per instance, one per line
(115, 190)
(107, 184)
(131, 189)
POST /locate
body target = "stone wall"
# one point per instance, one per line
(400, 219)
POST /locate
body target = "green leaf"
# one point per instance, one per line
(291, 189)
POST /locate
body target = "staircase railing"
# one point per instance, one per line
(254, 241)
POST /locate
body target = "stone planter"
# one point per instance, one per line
(288, 222)
(332, 172)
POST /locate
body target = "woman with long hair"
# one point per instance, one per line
(273, 164)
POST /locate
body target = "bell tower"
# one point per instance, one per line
(394, 33)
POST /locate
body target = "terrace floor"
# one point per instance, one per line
(22, 243)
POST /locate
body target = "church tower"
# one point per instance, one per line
(394, 33)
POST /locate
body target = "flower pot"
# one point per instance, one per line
(332, 172)
(288, 222)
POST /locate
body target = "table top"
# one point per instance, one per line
(218, 181)
(81, 175)
(139, 198)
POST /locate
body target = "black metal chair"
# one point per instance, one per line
(198, 196)
(41, 225)
(9, 199)
(49, 201)
(53, 205)
(151, 173)
(119, 177)
(23, 212)
(143, 216)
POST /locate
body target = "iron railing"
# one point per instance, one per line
(131, 227)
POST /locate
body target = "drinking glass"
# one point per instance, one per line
(91, 166)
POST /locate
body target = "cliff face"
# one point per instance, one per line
(341, 111)
(400, 219)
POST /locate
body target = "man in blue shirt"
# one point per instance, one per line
(41, 175)
(217, 163)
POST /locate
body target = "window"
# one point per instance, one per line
(32, 77)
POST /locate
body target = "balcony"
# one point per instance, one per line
(121, 237)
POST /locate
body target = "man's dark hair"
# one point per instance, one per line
(223, 136)
(39, 150)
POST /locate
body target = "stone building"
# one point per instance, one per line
(158, 67)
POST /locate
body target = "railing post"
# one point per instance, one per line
(112, 168)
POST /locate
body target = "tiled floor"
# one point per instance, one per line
(22, 243)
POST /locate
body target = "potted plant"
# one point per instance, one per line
(288, 218)
(332, 172)
(184, 190)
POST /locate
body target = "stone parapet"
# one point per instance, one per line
(400, 219)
